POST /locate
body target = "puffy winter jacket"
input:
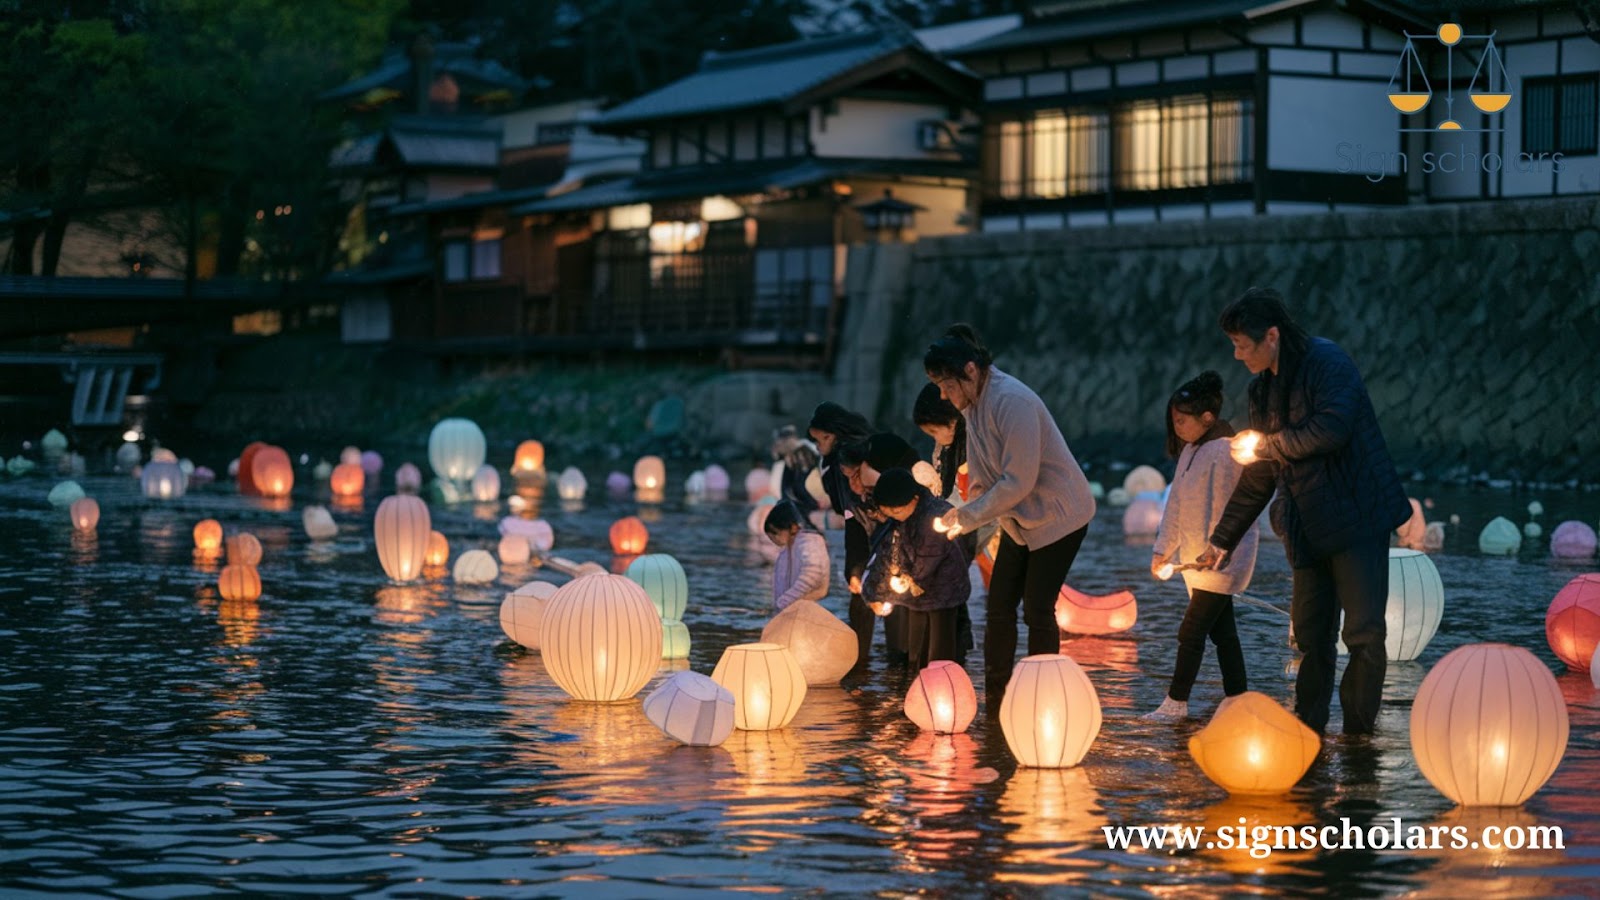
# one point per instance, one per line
(936, 564)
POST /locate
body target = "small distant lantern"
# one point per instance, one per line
(202, 475)
(692, 709)
(1142, 518)
(1144, 480)
(347, 480)
(162, 454)
(617, 484)
(322, 471)
(208, 536)
(942, 699)
(1500, 537)
(65, 494)
(1416, 603)
(1253, 745)
(350, 456)
(649, 473)
(1051, 713)
(128, 456)
(629, 536)
(318, 523)
(664, 582)
(272, 472)
(1117, 497)
(1432, 536)
(695, 484)
(371, 463)
(476, 567)
(85, 513)
(400, 530)
(163, 481)
(455, 449)
(243, 549)
(1572, 540)
(766, 683)
(239, 582)
(1572, 623)
(601, 638)
(572, 485)
(528, 460)
(437, 552)
(407, 479)
(674, 640)
(758, 484)
(1488, 725)
(887, 217)
(522, 612)
(514, 550)
(540, 536)
(717, 480)
(1092, 614)
(486, 484)
(825, 647)
(54, 443)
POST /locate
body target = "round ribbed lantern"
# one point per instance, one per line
(522, 612)
(1416, 603)
(942, 699)
(691, 709)
(85, 513)
(243, 549)
(1252, 745)
(400, 529)
(239, 582)
(1488, 725)
(272, 473)
(455, 449)
(1572, 623)
(825, 647)
(766, 682)
(664, 581)
(1051, 713)
(601, 638)
(163, 481)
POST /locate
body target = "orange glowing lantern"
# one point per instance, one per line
(1254, 746)
(1091, 614)
(246, 470)
(766, 683)
(243, 549)
(601, 638)
(629, 536)
(85, 513)
(529, 459)
(400, 530)
(438, 550)
(208, 536)
(1572, 624)
(239, 582)
(1051, 713)
(271, 472)
(514, 550)
(649, 473)
(942, 699)
(347, 480)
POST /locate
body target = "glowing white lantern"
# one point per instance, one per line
(1117, 497)
(1253, 745)
(455, 449)
(601, 638)
(649, 473)
(371, 463)
(758, 484)
(128, 456)
(1144, 480)
(691, 709)
(1142, 518)
(1051, 713)
(85, 513)
(674, 640)
(1500, 538)
(486, 484)
(664, 582)
(1488, 725)
(65, 494)
(1415, 606)
(1094, 614)
(400, 530)
(319, 523)
(514, 550)
(824, 647)
(766, 682)
(163, 481)
(407, 479)
(476, 567)
(522, 612)
(695, 484)
(942, 699)
(1572, 540)
(572, 485)
(717, 480)
(1572, 623)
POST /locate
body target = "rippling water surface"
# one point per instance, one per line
(343, 736)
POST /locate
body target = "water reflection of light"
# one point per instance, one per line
(1055, 817)
(347, 502)
(942, 775)
(1110, 663)
(85, 548)
(621, 562)
(1242, 822)
(1493, 871)
(402, 605)
(272, 504)
(651, 496)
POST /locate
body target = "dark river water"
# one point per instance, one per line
(342, 736)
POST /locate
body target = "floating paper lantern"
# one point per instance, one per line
(941, 699)
(318, 523)
(824, 647)
(323, 471)
(245, 471)
(1415, 606)
(1142, 518)
(1535, 508)
(649, 473)
(163, 481)
(695, 484)
(1412, 533)
(486, 484)
(85, 513)
(758, 484)
(1532, 530)
(664, 582)
(208, 537)
(1252, 745)
(243, 548)
(233, 468)
(350, 456)
(1118, 497)
(1500, 538)
(522, 612)
(239, 582)
(371, 463)
(1572, 623)
(528, 461)
(767, 684)
(455, 449)
(1051, 713)
(347, 480)
(617, 484)
(1097, 490)
(1488, 725)
(437, 552)
(537, 532)
(691, 709)
(271, 472)
(1432, 537)
(514, 550)
(572, 485)
(476, 567)
(629, 536)
(1144, 480)
(601, 638)
(162, 454)
(589, 568)
(717, 480)
(65, 494)
(1092, 614)
(54, 443)
(407, 479)
(1572, 540)
(400, 529)
(674, 640)
(128, 456)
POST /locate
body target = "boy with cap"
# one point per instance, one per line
(918, 569)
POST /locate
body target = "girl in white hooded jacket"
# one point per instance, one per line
(801, 572)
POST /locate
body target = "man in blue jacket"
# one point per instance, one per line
(1315, 441)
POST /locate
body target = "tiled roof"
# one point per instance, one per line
(427, 142)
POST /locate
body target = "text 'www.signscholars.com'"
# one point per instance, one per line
(1261, 840)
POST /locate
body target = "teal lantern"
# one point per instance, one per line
(456, 449)
(662, 578)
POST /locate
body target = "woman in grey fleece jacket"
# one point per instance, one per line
(1021, 474)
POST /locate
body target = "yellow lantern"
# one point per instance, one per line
(942, 699)
(1572, 623)
(691, 709)
(766, 683)
(318, 523)
(400, 530)
(529, 459)
(1488, 725)
(522, 612)
(85, 513)
(1092, 614)
(1252, 745)
(239, 582)
(347, 480)
(476, 567)
(825, 647)
(243, 549)
(629, 536)
(514, 550)
(455, 449)
(437, 552)
(208, 536)
(1051, 713)
(486, 485)
(649, 473)
(601, 638)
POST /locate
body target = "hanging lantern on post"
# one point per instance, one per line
(942, 699)
(601, 638)
(1252, 745)
(691, 709)
(400, 530)
(455, 449)
(766, 683)
(1051, 713)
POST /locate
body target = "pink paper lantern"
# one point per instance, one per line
(1572, 625)
(942, 699)
(407, 479)
(717, 480)
(1142, 517)
(757, 484)
(540, 535)
(400, 530)
(371, 463)
(1572, 540)
(1088, 614)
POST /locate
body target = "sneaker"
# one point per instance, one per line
(1170, 710)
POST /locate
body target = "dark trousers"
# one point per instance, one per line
(857, 549)
(1209, 615)
(1034, 576)
(930, 636)
(1355, 580)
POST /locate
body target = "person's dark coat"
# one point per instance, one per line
(1324, 454)
(935, 563)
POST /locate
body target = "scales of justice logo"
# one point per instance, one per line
(1489, 90)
